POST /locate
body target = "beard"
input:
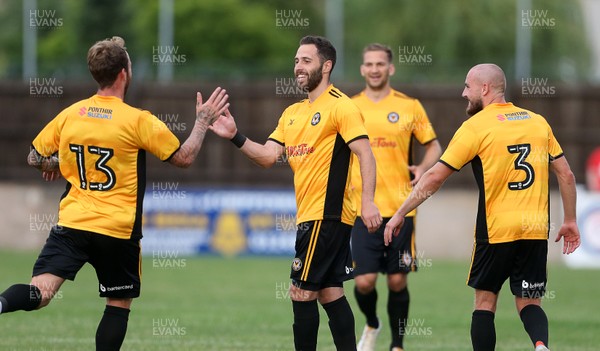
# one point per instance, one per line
(314, 79)
(474, 106)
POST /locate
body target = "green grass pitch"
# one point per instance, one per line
(212, 303)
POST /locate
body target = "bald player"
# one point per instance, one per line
(511, 151)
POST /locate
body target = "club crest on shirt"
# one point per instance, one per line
(393, 117)
(316, 119)
(296, 264)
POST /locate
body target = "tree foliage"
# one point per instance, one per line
(461, 33)
(240, 40)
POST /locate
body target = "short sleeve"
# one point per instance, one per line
(278, 134)
(554, 149)
(349, 121)
(462, 148)
(422, 128)
(47, 142)
(155, 137)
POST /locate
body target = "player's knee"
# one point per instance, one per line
(330, 294)
(521, 302)
(397, 282)
(119, 302)
(486, 300)
(45, 296)
(43, 303)
(365, 287)
(298, 294)
(397, 286)
(44, 292)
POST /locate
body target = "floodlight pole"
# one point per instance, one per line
(165, 38)
(334, 31)
(523, 42)
(29, 41)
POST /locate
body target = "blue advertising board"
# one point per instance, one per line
(219, 221)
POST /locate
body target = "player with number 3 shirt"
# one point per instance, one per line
(511, 151)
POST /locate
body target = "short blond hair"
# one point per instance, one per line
(379, 47)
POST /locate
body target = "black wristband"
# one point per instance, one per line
(238, 139)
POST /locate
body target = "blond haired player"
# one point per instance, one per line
(393, 120)
(511, 151)
(101, 143)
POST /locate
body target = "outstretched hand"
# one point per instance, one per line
(224, 126)
(570, 234)
(214, 107)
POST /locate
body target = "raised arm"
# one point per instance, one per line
(568, 193)
(264, 155)
(369, 212)
(206, 114)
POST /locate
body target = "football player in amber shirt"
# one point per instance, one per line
(392, 120)
(511, 151)
(99, 146)
(319, 135)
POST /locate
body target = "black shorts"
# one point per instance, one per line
(372, 256)
(323, 257)
(117, 261)
(523, 261)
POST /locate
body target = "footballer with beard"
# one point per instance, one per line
(511, 151)
(319, 135)
(99, 146)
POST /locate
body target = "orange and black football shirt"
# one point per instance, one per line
(392, 123)
(316, 137)
(100, 143)
(510, 150)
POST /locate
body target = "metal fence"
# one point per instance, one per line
(572, 111)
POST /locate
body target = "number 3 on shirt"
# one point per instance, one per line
(105, 155)
(523, 150)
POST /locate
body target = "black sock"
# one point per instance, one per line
(483, 331)
(306, 325)
(112, 328)
(341, 324)
(397, 308)
(368, 306)
(20, 297)
(535, 323)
